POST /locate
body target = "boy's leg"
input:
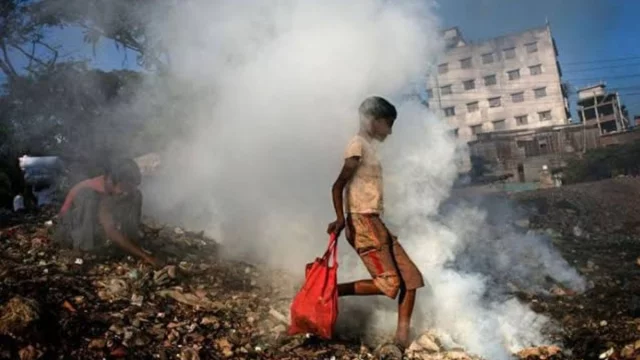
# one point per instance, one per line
(371, 241)
(359, 288)
(412, 280)
(406, 303)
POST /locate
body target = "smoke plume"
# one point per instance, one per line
(278, 85)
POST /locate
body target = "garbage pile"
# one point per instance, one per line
(596, 226)
(587, 210)
(57, 303)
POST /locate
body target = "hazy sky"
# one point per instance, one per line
(596, 39)
(591, 35)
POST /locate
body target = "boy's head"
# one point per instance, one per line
(377, 116)
(123, 177)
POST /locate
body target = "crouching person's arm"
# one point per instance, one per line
(106, 220)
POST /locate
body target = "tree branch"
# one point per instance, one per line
(33, 53)
(7, 62)
(6, 70)
(31, 57)
(127, 41)
(53, 50)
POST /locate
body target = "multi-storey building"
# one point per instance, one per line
(597, 106)
(506, 83)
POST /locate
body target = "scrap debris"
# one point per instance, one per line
(17, 314)
(111, 305)
(204, 307)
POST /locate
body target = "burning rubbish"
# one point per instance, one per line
(244, 159)
(206, 307)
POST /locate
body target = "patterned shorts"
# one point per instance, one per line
(385, 259)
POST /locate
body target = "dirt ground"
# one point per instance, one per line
(598, 232)
(57, 304)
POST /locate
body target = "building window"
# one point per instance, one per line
(514, 74)
(517, 97)
(449, 111)
(545, 115)
(522, 120)
(465, 63)
(499, 125)
(443, 68)
(531, 47)
(540, 92)
(510, 53)
(489, 80)
(535, 70)
(445, 90)
(472, 106)
(494, 102)
(430, 93)
(469, 84)
(476, 129)
(487, 58)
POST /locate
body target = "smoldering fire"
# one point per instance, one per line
(283, 81)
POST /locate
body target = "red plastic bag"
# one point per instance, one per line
(315, 308)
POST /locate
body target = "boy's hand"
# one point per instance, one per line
(336, 227)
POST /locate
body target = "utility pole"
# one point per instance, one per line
(584, 132)
(622, 123)
(595, 106)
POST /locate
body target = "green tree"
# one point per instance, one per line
(125, 22)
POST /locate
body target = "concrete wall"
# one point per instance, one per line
(545, 56)
(534, 148)
(620, 138)
(533, 165)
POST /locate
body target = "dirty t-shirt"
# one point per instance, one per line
(364, 191)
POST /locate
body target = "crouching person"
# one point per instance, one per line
(105, 207)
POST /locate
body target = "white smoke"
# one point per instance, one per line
(279, 85)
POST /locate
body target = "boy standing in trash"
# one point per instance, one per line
(392, 271)
(107, 206)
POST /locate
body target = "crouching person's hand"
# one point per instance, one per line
(154, 261)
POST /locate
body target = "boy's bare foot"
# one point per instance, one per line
(402, 337)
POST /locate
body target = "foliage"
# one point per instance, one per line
(50, 105)
(605, 163)
(24, 24)
(126, 22)
(52, 111)
(22, 34)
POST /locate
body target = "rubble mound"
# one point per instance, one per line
(597, 208)
(596, 227)
(57, 303)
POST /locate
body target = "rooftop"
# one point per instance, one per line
(454, 38)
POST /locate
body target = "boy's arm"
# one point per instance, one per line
(348, 169)
(106, 220)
